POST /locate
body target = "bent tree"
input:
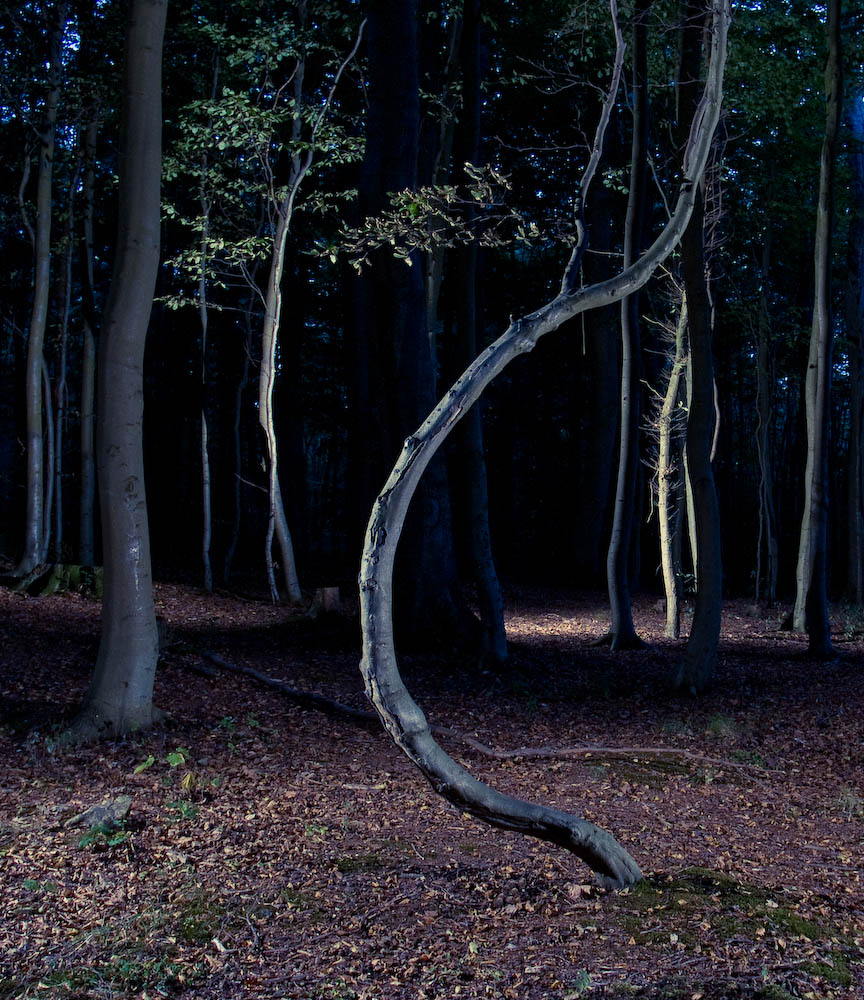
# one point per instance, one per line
(401, 715)
(120, 696)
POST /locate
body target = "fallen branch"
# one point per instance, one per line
(320, 703)
(308, 699)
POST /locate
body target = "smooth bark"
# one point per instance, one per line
(34, 525)
(120, 696)
(87, 502)
(622, 631)
(811, 596)
(400, 714)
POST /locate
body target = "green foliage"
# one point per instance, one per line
(105, 835)
(435, 216)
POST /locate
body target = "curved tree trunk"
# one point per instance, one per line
(811, 598)
(622, 631)
(400, 714)
(34, 526)
(120, 697)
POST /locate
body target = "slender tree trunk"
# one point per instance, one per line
(278, 523)
(855, 335)
(622, 631)
(120, 696)
(811, 597)
(669, 480)
(206, 515)
(61, 391)
(696, 668)
(34, 525)
(50, 458)
(764, 439)
(86, 529)
(238, 455)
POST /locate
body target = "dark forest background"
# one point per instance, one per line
(514, 87)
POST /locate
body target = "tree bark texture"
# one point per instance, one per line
(119, 699)
(695, 670)
(811, 597)
(622, 631)
(35, 515)
(669, 479)
(400, 714)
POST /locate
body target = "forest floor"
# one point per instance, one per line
(276, 852)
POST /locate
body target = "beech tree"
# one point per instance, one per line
(401, 715)
(37, 523)
(811, 596)
(120, 696)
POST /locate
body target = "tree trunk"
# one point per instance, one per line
(394, 377)
(669, 482)
(400, 714)
(34, 526)
(206, 509)
(61, 392)
(696, 669)
(119, 699)
(86, 530)
(855, 336)
(622, 631)
(489, 599)
(811, 598)
(764, 439)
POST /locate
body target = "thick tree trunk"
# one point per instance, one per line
(400, 714)
(489, 599)
(811, 598)
(394, 384)
(855, 336)
(34, 525)
(696, 669)
(119, 699)
(622, 631)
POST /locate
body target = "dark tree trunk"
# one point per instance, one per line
(37, 523)
(465, 263)
(811, 600)
(394, 375)
(618, 562)
(855, 335)
(119, 699)
(696, 669)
